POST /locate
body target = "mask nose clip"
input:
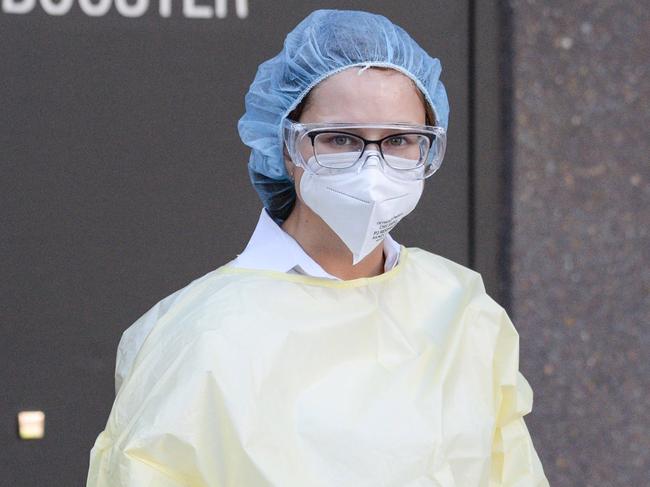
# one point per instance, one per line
(372, 158)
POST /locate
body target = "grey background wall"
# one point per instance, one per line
(580, 257)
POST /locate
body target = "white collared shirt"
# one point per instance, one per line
(271, 248)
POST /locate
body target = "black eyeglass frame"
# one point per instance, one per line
(312, 134)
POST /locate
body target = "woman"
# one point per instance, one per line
(326, 354)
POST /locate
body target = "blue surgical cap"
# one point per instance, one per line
(324, 43)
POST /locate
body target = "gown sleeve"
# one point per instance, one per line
(110, 467)
(170, 425)
(514, 461)
(149, 441)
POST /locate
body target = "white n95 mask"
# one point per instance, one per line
(361, 207)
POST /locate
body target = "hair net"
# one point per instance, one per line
(322, 44)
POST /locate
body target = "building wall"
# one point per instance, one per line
(580, 247)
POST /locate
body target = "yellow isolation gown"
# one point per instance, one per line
(255, 378)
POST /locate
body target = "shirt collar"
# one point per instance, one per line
(271, 248)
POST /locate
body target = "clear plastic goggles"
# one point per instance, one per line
(405, 151)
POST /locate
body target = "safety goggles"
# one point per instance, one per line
(405, 151)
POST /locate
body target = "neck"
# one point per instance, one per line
(320, 242)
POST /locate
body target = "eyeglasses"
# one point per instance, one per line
(408, 151)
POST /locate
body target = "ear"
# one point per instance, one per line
(288, 163)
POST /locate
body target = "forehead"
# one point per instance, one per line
(357, 76)
(365, 95)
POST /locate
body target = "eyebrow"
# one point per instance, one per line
(363, 130)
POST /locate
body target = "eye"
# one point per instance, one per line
(336, 140)
(397, 140)
(340, 140)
